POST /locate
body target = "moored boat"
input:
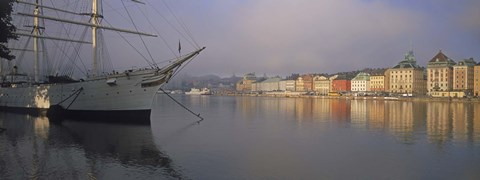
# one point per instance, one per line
(117, 96)
(195, 91)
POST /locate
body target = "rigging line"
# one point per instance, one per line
(180, 68)
(159, 34)
(181, 23)
(116, 10)
(22, 54)
(123, 37)
(59, 63)
(134, 25)
(68, 68)
(183, 106)
(106, 60)
(79, 45)
(64, 53)
(165, 61)
(46, 65)
(194, 44)
(169, 23)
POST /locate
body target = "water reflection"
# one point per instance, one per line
(442, 122)
(32, 148)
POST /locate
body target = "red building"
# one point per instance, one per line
(308, 82)
(341, 85)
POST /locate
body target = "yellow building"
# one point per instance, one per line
(245, 84)
(407, 77)
(476, 80)
(377, 83)
(304, 83)
(321, 85)
(463, 76)
(440, 74)
(386, 82)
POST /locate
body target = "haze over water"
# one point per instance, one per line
(253, 138)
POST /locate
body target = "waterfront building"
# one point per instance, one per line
(440, 74)
(299, 84)
(268, 85)
(331, 78)
(290, 85)
(463, 76)
(386, 81)
(245, 84)
(321, 85)
(377, 82)
(304, 83)
(407, 77)
(361, 82)
(282, 85)
(341, 85)
(476, 79)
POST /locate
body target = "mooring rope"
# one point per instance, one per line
(75, 93)
(198, 115)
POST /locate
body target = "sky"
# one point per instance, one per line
(281, 37)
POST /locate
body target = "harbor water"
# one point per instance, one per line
(252, 138)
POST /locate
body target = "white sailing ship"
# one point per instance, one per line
(121, 95)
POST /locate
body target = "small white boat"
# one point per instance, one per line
(195, 91)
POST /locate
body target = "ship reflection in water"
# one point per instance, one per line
(32, 148)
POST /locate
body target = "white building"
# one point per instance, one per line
(361, 82)
(290, 85)
(268, 85)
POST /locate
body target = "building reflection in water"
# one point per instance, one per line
(376, 115)
(358, 111)
(438, 122)
(476, 123)
(32, 148)
(407, 121)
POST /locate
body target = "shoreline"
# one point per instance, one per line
(407, 99)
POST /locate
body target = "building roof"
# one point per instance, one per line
(362, 77)
(408, 62)
(466, 62)
(440, 60)
(249, 76)
(272, 80)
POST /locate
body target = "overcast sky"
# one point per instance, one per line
(280, 37)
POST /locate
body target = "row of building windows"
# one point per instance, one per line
(401, 72)
(402, 76)
(406, 86)
(358, 85)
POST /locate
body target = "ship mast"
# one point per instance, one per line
(95, 22)
(36, 33)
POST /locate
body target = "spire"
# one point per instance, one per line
(409, 56)
(411, 45)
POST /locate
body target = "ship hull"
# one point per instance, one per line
(124, 97)
(123, 116)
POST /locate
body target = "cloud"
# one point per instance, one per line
(282, 36)
(279, 37)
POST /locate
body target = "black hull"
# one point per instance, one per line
(130, 116)
(29, 111)
(58, 115)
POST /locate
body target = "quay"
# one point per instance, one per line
(396, 98)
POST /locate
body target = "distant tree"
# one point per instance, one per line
(294, 76)
(7, 29)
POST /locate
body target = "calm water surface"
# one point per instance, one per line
(253, 138)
